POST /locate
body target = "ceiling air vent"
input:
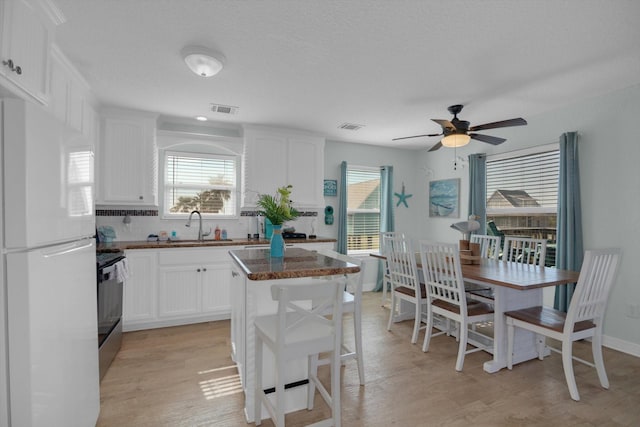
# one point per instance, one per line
(224, 109)
(350, 126)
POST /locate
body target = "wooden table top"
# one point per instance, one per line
(512, 274)
(257, 264)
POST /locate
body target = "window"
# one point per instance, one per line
(363, 209)
(522, 194)
(199, 181)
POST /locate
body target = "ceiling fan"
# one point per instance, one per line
(458, 133)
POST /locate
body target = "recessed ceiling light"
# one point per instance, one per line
(201, 118)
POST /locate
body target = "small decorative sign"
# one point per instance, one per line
(330, 187)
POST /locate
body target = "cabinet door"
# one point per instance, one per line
(140, 287)
(26, 39)
(128, 161)
(305, 166)
(238, 301)
(179, 291)
(216, 288)
(265, 167)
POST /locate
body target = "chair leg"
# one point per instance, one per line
(257, 401)
(385, 285)
(312, 369)
(417, 322)
(462, 336)
(279, 375)
(392, 310)
(357, 328)
(427, 333)
(335, 389)
(596, 349)
(510, 338)
(567, 364)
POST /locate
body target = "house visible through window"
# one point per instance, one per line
(522, 195)
(196, 181)
(363, 209)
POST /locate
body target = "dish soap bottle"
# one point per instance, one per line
(217, 233)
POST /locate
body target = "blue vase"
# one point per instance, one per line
(277, 242)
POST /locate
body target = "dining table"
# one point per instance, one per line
(515, 285)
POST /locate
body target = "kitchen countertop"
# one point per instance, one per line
(257, 264)
(172, 244)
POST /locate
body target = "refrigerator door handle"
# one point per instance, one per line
(66, 250)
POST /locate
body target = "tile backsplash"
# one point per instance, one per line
(147, 221)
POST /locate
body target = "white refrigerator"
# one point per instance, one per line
(49, 357)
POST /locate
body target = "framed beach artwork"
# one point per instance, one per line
(444, 198)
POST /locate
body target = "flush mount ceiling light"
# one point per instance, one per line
(455, 140)
(202, 61)
(201, 118)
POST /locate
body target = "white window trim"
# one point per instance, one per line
(524, 152)
(363, 252)
(161, 182)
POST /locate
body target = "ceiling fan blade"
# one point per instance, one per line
(435, 147)
(501, 124)
(446, 124)
(416, 136)
(487, 138)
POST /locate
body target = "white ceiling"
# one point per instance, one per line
(388, 65)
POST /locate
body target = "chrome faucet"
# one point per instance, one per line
(200, 234)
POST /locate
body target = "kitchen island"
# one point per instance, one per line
(253, 272)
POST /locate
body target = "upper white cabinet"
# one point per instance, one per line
(27, 29)
(274, 157)
(128, 158)
(70, 95)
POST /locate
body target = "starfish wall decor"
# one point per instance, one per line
(402, 197)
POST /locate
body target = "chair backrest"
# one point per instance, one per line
(384, 236)
(489, 245)
(589, 299)
(301, 308)
(525, 250)
(442, 273)
(401, 261)
(354, 281)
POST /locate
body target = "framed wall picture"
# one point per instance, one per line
(330, 187)
(444, 198)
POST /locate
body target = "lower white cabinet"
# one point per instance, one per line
(139, 302)
(170, 287)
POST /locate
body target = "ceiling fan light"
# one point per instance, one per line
(455, 140)
(202, 61)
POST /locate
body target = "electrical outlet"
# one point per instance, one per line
(633, 311)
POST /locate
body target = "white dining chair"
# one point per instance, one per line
(405, 282)
(489, 249)
(447, 297)
(524, 250)
(386, 278)
(351, 303)
(297, 331)
(583, 319)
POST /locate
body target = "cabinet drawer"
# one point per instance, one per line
(183, 256)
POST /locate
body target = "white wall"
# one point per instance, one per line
(609, 153)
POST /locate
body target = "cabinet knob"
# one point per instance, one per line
(9, 63)
(204, 269)
(198, 270)
(234, 274)
(141, 197)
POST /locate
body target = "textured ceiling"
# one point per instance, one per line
(388, 65)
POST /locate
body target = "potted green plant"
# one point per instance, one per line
(277, 209)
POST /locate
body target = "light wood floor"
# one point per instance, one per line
(183, 376)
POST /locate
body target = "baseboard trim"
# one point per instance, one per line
(621, 345)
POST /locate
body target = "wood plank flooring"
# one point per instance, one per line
(184, 376)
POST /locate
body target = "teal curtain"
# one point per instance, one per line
(569, 245)
(342, 210)
(387, 222)
(478, 189)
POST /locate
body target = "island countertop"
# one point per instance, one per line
(257, 264)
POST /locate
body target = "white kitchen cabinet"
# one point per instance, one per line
(70, 95)
(128, 159)
(27, 31)
(238, 319)
(140, 294)
(274, 158)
